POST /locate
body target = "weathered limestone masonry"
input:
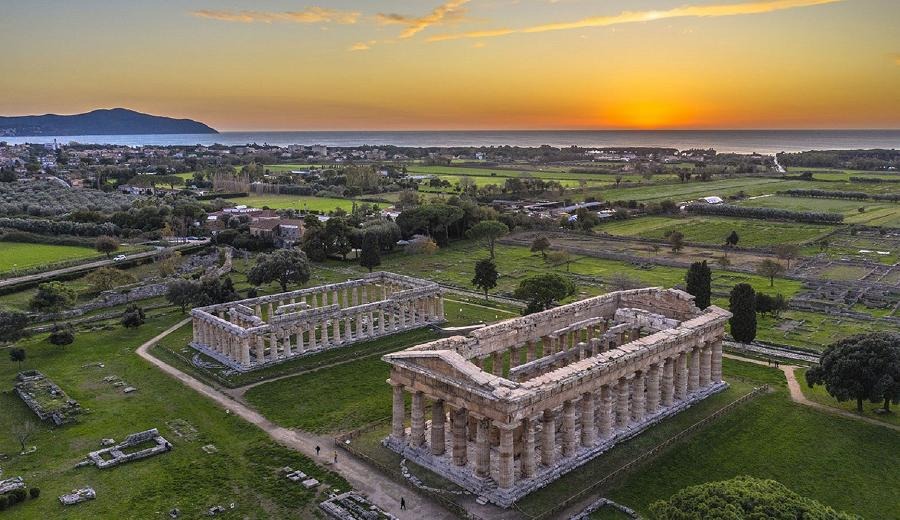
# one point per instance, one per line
(249, 334)
(517, 404)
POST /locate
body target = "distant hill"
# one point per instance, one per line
(116, 121)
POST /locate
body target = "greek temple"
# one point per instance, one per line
(515, 405)
(257, 332)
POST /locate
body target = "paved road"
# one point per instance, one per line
(49, 275)
(798, 397)
(382, 490)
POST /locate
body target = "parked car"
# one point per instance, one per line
(119, 258)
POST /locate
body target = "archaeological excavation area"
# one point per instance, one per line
(253, 333)
(515, 405)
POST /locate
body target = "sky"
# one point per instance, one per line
(459, 64)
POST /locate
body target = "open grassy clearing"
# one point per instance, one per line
(298, 202)
(243, 471)
(15, 256)
(714, 230)
(812, 330)
(499, 174)
(873, 214)
(843, 463)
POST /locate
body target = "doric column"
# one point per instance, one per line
(364, 294)
(301, 330)
(668, 382)
(417, 428)
(324, 298)
(273, 346)
(392, 321)
(438, 446)
(588, 427)
(359, 327)
(605, 411)
(346, 302)
(531, 353)
(514, 356)
(260, 350)
(257, 310)
(336, 323)
(334, 298)
(681, 377)
(548, 438)
(355, 296)
(371, 325)
(694, 371)
(622, 403)
(440, 307)
(483, 448)
(568, 427)
(312, 335)
(286, 335)
(381, 327)
(638, 399)
(325, 341)
(716, 361)
(653, 388)
(528, 462)
(270, 311)
(705, 362)
(460, 420)
(348, 329)
(507, 461)
(399, 413)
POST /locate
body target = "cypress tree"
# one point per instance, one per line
(370, 256)
(699, 282)
(742, 304)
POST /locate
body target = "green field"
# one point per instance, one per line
(243, 471)
(843, 463)
(874, 214)
(20, 256)
(713, 230)
(499, 175)
(820, 395)
(298, 202)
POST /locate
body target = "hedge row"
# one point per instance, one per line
(729, 210)
(834, 194)
(214, 196)
(874, 180)
(60, 227)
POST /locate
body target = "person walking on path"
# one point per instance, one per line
(317, 451)
(335, 457)
(402, 504)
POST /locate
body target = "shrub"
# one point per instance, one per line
(62, 335)
(34, 492)
(730, 210)
(4, 502)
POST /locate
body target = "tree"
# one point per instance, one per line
(62, 335)
(181, 293)
(676, 241)
(770, 304)
(422, 245)
(742, 304)
(731, 241)
(407, 199)
(770, 269)
(699, 283)
(284, 266)
(865, 366)
(23, 430)
(540, 244)
(787, 252)
(107, 278)
(559, 258)
(107, 245)
(371, 252)
(586, 219)
(12, 325)
(314, 244)
(742, 498)
(52, 297)
(133, 317)
(167, 262)
(337, 237)
(543, 290)
(489, 231)
(485, 276)
(17, 355)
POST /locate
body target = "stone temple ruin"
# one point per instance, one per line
(136, 446)
(580, 378)
(257, 332)
(45, 398)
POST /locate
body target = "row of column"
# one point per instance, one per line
(321, 333)
(595, 416)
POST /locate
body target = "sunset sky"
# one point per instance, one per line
(460, 64)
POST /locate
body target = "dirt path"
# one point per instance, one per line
(382, 490)
(798, 397)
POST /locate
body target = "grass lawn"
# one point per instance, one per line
(298, 202)
(243, 471)
(843, 463)
(18, 256)
(812, 330)
(356, 393)
(713, 230)
(820, 395)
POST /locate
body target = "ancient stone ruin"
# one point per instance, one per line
(136, 446)
(77, 496)
(11, 484)
(258, 332)
(353, 506)
(45, 399)
(532, 398)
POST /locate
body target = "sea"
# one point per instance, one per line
(735, 141)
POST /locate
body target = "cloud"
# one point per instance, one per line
(362, 46)
(688, 11)
(452, 10)
(308, 15)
